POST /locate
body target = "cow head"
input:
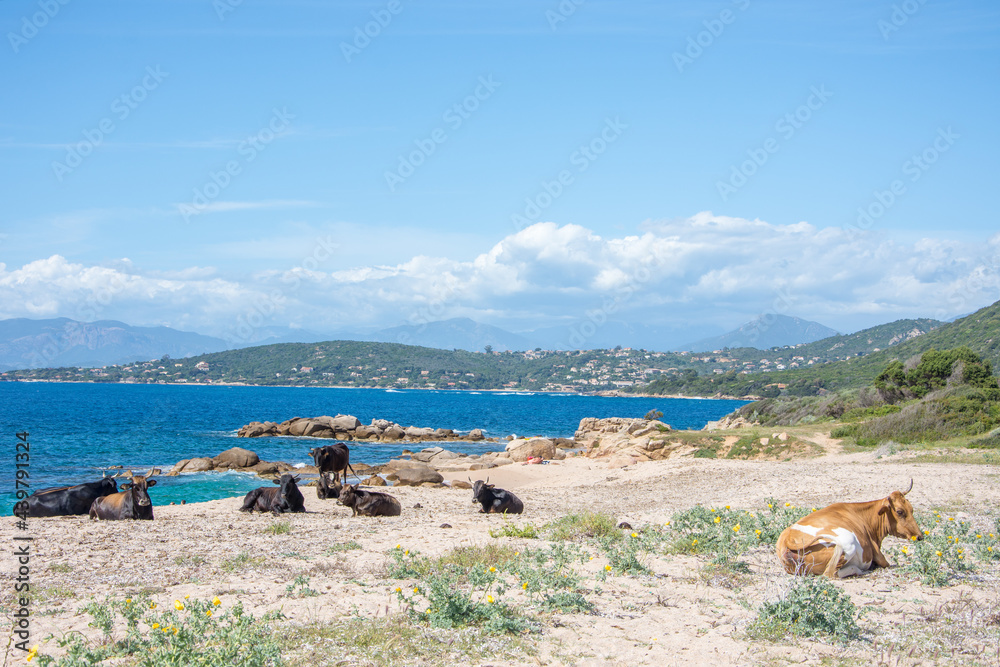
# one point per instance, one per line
(108, 486)
(898, 511)
(138, 487)
(287, 483)
(480, 490)
(347, 494)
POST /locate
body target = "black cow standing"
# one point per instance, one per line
(286, 498)
(65, 500)
(131, 503)
(494, 500)
(331, 458)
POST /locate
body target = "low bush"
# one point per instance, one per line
(812, 606)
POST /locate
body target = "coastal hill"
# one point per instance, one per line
(765, 332)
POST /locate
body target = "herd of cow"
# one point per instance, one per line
(841, 540)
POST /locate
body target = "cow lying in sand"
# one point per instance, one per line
(845, 539)
(494, 500)
(286, 498)
(368, 503)
(132, 502)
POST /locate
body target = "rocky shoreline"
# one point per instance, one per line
(349, 427)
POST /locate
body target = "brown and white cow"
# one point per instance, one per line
(132, 502)
(845, 539)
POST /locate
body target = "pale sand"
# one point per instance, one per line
(677, 617)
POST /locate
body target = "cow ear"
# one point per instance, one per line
(276, 481)
(126, 487)
(886, 506)
(150, 482)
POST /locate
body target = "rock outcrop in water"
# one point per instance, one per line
(348, 427)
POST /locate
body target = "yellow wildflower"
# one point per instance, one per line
(525, 585)
(416, 590)
(128, 600)
(398, 589)
(216, 601)
(208, 612)
(736, 528)
(727, 506)
(489, 598)
(938, 553)
(399, 546)
(156, 625)
(607, 568)
(913, 538)
(32, 653)
(718, 519)
(635, 534)
(152, 605)
(694, 542)
(187, 596)
(492, 569)
(758, 532)
(711, 509)
(178, 605)
(176, 631)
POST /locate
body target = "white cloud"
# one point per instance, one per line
(705, 268)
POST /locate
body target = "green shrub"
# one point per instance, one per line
(579, 526)
(192, 633)
(528, 531)
(813, 606)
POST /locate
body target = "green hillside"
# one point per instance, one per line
(979, 331)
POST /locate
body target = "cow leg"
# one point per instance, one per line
(878, 558)
(832, 567)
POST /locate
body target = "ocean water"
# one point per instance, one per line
(77, 431)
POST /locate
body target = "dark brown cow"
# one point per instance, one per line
(845, 539)
(494, 500)
(369, 503)
(286, 498)
(331, 458)
(131, 503)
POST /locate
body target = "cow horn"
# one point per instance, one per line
(909, 489)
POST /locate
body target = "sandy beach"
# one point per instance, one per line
(677, 615)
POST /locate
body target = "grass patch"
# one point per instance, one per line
(278, 528)
(242, 561)
(60, 568)
(397, 640)
(528, 531)
(342, 547)
(575, 527)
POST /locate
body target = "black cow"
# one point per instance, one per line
(131, 503)
(493, 500)
(286, 498)
(369, 503)
(331, 458)
(66, 500)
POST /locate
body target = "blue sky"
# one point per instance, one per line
(525, 164)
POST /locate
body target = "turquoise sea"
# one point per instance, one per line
(76, 431)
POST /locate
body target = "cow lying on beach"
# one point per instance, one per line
(369, 503)
(132, 502)
(845, 539)
(66, 500)
(286, 498)
(494, 500)
(331, 458)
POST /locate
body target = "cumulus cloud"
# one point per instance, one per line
(705, 268)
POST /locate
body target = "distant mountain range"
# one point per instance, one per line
(26, 343)
(765, 332)
(51, 343)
